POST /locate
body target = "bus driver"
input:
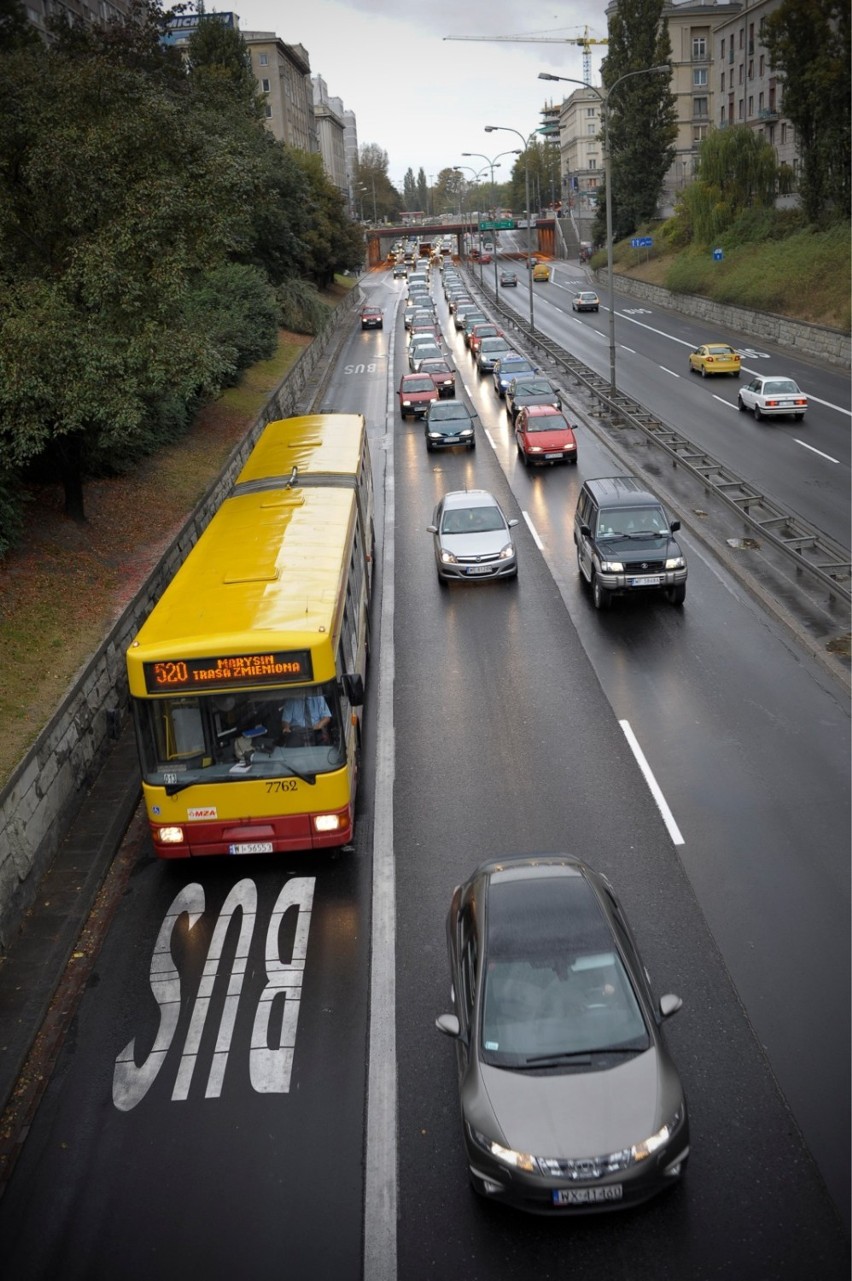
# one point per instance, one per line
(304, 720)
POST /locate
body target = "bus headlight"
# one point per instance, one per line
(170, 835)
(327, 822)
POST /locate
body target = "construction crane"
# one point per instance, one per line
(584, 42)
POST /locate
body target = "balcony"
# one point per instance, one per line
(767, 113)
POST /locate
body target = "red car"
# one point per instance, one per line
(482, 331)
(416, 393)
(442, 375)
(544, 435)
(372, 317)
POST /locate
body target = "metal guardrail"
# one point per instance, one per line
(811, 550)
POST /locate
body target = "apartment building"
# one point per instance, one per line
(749, 91)
(283, 74)
(331, 134)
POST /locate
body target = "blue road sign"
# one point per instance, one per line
(641, 242)
(718, 254)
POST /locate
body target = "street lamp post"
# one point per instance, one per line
(492, 164)
(604, 101)
(476, 177)
(525, 141)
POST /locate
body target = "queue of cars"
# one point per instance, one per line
(570, 1101)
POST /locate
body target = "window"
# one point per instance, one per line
(742, 37)
(760, 101)
(591, 111)
(751, 68)
(723, 82)
(699, 77)
(263, 59)
(750, 106)
(699, 107)
(264, 84)
(699, 47)
(740, 112)
(268, 112)
(593, 164)
(783, 132)
(591, 130)
(762, 65)
(740, 74)
(722, 49)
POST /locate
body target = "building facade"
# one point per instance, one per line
(328, 114)
(283, 73)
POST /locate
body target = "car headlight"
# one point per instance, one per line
(407, 404)
(675, 562)
(515, 1160)
(435, 435)
(507, 552)
(468, 431)
(447, 558)
(612, 567)
(639, 1151)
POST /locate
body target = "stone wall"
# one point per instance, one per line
(819, 341)
(49, 786)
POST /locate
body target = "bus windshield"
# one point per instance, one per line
(265, 733)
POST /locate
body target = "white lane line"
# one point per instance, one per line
(830, 405)
(380, 1173)
(805, 445)
(662, 806)
(490, 439)
(630, 349)
(539, 544)
(669, 371)
(722, 401)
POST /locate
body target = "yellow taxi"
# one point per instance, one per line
(541, 271)
(714, 358)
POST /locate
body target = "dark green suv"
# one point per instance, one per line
(625, 542)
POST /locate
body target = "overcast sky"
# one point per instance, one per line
(422, 98)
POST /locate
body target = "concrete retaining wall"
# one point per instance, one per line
(820, 341)
(50, 785)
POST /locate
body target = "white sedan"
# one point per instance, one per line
(769, 396)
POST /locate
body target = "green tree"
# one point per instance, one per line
(642, 115)
(737, 170)
(219, 64)
(446, 196)
(331, 241)
(809, 45)
(16, 30)
(113, 199)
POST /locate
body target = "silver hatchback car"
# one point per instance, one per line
(570, 1101)
(472, 537)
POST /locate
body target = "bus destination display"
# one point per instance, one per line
(177, 675)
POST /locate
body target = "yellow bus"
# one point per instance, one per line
(247, 678)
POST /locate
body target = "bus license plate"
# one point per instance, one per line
(587, 1196)
(479, 569)
(251, 847)
(645, 582)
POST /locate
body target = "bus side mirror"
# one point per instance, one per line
(353, 688)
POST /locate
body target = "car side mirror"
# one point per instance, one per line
(431, 529)
(448, 1024)
(586, 531)
(669, 1004)
(674, 526)
(514, 521)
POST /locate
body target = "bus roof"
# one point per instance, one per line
(316, 444)
(267, 573)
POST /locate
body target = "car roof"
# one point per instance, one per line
(544, 411)
(621, 491)
(469, 498)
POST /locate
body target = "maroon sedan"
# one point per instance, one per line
(442, 375)
(416, 393)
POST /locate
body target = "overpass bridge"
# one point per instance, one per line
(380, 239)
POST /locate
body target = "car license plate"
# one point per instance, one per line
(587, 1196)
(479, 569)
(251, 847)
(645, 582)
(451, 440)
(786, 404)
(559, 455)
